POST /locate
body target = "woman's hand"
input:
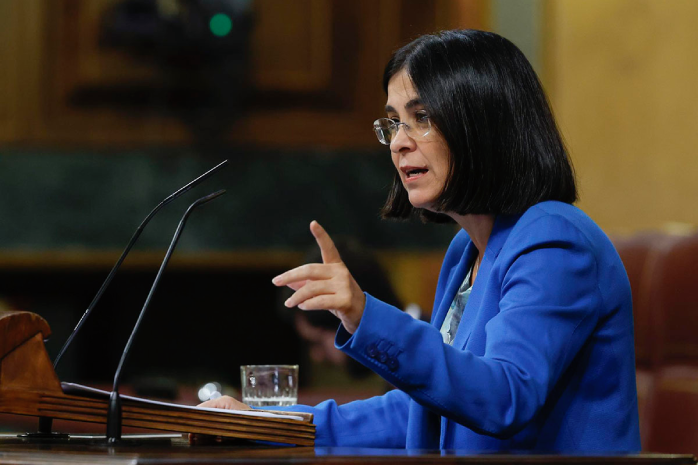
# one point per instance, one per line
(223, 402)
(325, 286)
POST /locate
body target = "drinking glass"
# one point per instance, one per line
(269, 385)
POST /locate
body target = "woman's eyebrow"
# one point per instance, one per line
(409, 105)
(413, 103)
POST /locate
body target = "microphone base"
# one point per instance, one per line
(114, 418)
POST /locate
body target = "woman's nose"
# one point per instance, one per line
(402, 142)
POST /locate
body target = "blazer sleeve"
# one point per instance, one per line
(380, 421)
(547, 298)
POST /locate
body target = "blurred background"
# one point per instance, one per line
(108, 106)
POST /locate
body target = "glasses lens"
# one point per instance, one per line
(419, 126)
(383, 127)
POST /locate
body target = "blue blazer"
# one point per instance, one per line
(543, 359)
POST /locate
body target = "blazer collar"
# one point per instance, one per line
(503, 224)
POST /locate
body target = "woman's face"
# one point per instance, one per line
(422, 163)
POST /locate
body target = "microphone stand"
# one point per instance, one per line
(114, 412)
(45, 423)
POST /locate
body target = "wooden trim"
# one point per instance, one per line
(330, 101)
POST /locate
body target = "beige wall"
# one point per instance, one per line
(623, 80)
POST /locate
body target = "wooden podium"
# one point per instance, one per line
(29, 386)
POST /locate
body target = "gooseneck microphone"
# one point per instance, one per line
(117, 265)
(114, 411)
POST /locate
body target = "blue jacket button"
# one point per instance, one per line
(372, 350)
(393, 364)
(382, 357)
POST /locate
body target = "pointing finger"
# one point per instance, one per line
(303, 273)
(297, 285)
(327, 247)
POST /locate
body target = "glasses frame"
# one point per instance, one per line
(394, 127)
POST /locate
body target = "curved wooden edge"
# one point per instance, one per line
(35, 403)
(16, 327)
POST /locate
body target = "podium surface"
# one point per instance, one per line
(15, 450)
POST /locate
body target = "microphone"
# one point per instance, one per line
(114, 411)
(117, 265)
(46, 423)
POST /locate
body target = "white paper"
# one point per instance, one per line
(250, 413)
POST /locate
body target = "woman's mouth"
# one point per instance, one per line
(413, 173)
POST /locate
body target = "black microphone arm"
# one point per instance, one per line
(117, 265)
(114, 412)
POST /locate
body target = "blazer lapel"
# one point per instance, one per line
(455, 279)
(500, 232)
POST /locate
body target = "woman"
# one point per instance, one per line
(530, 346)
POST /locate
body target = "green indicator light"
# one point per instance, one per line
(220, 25)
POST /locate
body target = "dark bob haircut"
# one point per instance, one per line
(484, 98)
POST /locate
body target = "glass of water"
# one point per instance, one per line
(269, 385)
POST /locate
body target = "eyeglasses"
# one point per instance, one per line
(417, 127)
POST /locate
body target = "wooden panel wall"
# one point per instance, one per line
(315, 71)
(19, 35)
(623, 76)
(8, 76)
(293, 51)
